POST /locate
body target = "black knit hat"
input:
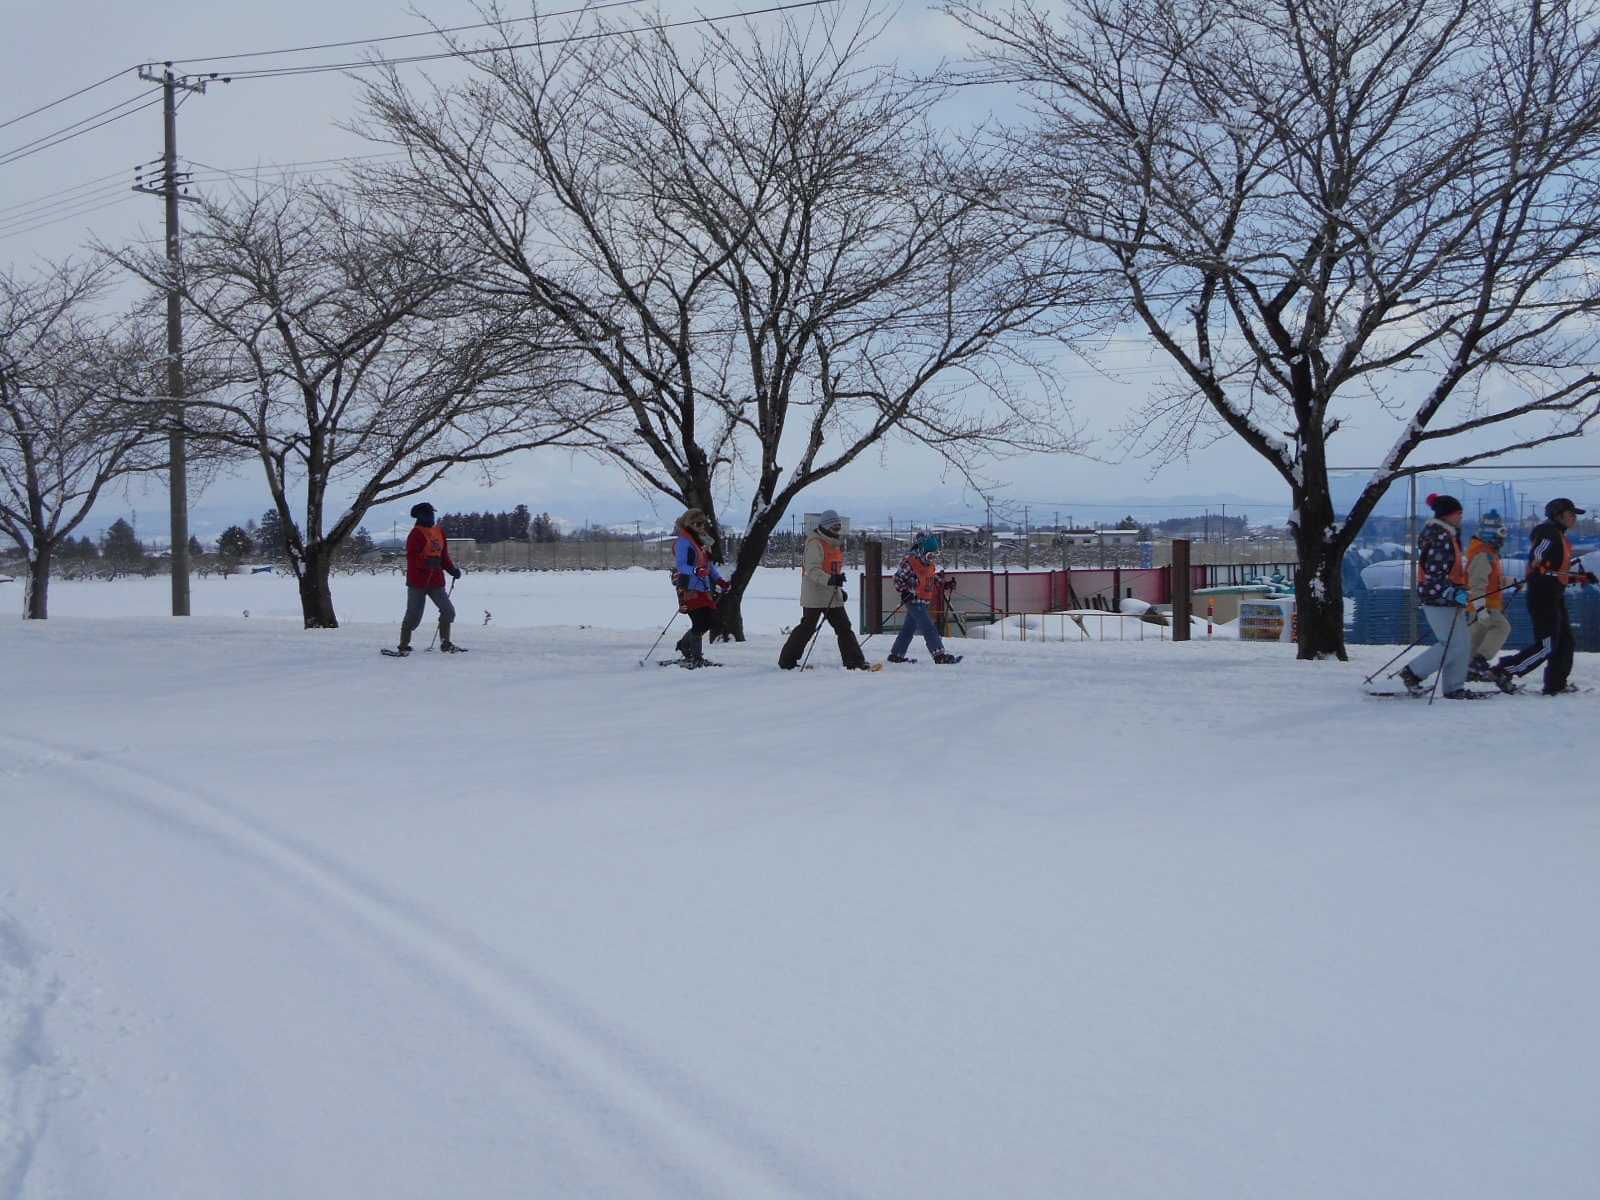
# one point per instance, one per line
(418, 509)
(1443, 506)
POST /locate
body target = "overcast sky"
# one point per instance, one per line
(55, 199)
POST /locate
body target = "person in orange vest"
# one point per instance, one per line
(919, 583)
(1487, 590)
(1442, 591)
(427, 563)
(822, 595)
(698, 582)
(1552, 568)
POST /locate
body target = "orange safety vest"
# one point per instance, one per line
(832, 558)
(433, 543)
(1493, 596)
(1564, 573)
(927, 578)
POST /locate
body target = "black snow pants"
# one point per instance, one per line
(1552, 645)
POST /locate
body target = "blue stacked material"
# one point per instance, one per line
(1383, 618)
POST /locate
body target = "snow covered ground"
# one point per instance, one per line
(283, 919)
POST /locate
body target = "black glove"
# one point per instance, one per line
(843, 595)
(835, 580)
(907, 597)
(455, 572)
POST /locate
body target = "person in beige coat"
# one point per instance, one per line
(1487, 587)
(822, 595)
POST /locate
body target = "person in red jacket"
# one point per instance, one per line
(427, 563)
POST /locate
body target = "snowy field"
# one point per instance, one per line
(283, 919)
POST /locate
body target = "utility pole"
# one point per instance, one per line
(177, 451)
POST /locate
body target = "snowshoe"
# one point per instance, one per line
(900, 658)
(1467, 694)
(397, 652)
(944, 658)
(452, 648)
(1504, 681)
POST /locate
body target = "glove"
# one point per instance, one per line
(1458, 596)
(702, 572)
(843, 595)
(948, 585)
(455, 572)
(835, 580)
(723, 585)
(907, 597)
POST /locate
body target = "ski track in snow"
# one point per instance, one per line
(676, 1122)
(26, 1072)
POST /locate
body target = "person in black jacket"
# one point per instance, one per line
(1552, 568)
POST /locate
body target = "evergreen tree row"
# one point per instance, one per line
(518, 525)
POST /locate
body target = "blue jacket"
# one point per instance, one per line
(689, 557)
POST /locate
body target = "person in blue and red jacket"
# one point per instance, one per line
(427, 563)
(1552, 569)
(1442, 592)
(698, 581)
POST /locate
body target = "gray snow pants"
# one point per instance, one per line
(1449, 625)
(414, 601)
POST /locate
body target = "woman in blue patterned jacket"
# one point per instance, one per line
(1442, 591)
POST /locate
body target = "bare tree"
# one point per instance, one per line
(749, 240)
(1330, 215)
(347, 356)
(63, 435)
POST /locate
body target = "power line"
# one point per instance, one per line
(401, 37)
(563, 40)
(306, 49)
(77, 129)
(73, 96)
(57, 196)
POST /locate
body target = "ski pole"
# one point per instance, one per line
(879, 630)
(1390, 663)
(659, 636)
(818, 631)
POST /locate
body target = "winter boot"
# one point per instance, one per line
(405, 642)
(945, 658)
(1412, 683)
(689, 647)
(1478, 670)
(1503, 680)
(445, 644)
(900, 658)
